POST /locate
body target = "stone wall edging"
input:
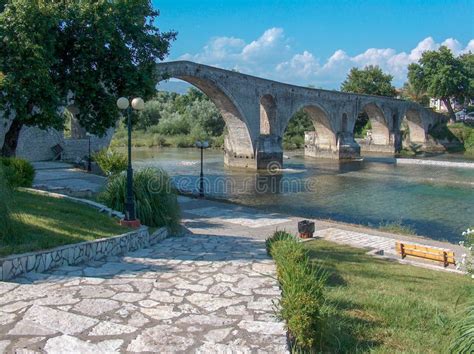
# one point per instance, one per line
(77, 253)
(15, 265)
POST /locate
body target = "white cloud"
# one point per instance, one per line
(268, 41)
(301, 65)
(271, 56)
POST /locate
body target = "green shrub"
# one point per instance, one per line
(184, 141)
(174, 125)
(110, 161)
(156, 200)
(397, 227)
(302, 285)
(6, 227)
(463, 341)
(18, 172)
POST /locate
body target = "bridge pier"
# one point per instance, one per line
(345, 147)
(268, 154)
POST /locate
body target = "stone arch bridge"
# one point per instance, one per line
(257, 111)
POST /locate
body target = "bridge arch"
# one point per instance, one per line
(379, 125)
(237, 142)
(268, 115)
(324, 135)
(414, 123)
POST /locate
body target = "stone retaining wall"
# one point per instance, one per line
(15, 265)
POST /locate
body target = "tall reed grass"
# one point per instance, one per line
(156, 200)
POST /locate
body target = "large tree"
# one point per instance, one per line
(371, 81)
(441, 75)
(87, 52)
(467, 61)
(415, 94)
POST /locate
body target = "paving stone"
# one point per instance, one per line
(129, 297)
(96, 307)
(6, 318)
(164, 296)
(67, 344)
(3, 345)
(161, 312)
(95, 291)
(56, 320)
(262, 327)
(161, 339)
(107, 328)
(210, 320)
(217, 335)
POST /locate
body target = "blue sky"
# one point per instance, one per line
(314, 42)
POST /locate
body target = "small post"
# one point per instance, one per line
(89, 163)
(201, 176)
(202, 145)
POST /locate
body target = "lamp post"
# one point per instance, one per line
(89, 163)
(202, 145)
(124, 104)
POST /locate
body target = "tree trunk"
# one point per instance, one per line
(11, 139)
(447, 103)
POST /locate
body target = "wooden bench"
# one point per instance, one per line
(431, 253)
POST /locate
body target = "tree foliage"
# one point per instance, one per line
(294, 133)
(88, 51)
(172, 114)
(371, 81)
(416, 94)
(441, 75)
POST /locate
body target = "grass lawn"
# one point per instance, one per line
(386, 307)
(44, 222)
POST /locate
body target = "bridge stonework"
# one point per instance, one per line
(257, 112)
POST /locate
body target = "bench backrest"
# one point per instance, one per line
(435, 254)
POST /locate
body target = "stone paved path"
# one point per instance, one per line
(195, 293)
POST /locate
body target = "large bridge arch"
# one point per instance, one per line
(237, 138)
(238, 145)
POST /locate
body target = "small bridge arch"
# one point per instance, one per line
(380, 126)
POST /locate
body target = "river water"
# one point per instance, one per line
(437, 202)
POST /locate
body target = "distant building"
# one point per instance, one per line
(439, 106)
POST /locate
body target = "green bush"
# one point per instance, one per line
(302, 285)
(463, 341)
(110, 161)
(465, 133)
(174, 125)
(18, 172)
(397, 227)
(6, 227)
(156, 200)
